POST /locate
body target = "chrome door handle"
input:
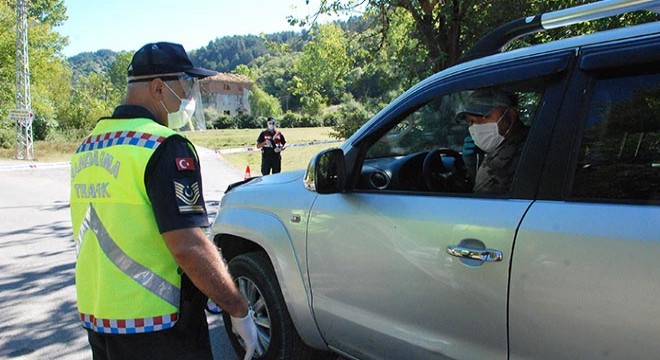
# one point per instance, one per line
(483, 255)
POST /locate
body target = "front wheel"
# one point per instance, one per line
(278, 339)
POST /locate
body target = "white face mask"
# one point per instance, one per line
(487, 136)
(181, 117)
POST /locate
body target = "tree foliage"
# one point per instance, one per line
(445, 29)
(49, 72)
(263, 104)
(321, 69)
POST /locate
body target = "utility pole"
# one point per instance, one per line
(22, 115)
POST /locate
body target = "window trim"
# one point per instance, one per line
(557, 179)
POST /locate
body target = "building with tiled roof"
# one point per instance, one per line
(227, 93)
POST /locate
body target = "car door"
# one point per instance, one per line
(585, 276)
(383, 283)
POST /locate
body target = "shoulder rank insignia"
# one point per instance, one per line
(188, 198)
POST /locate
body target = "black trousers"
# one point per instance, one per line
(271, 164)
(188, 339)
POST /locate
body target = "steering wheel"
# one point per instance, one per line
(441, 176)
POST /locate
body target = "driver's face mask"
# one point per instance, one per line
(487, 136)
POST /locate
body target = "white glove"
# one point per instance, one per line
(278, 149)
(247, 330)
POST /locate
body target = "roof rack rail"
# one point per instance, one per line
(497, 39)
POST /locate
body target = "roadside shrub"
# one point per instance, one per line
(7, 138)
(244, 121)
(42, 127)
(223, 122)
(331, 118)
(215, 120)
(352, 115)
(210, 115)
(291, 120)
(288, 119)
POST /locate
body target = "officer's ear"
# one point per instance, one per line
(156, 88)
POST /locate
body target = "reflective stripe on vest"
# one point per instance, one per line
(129, 326)
(95, 142)
(142, 275)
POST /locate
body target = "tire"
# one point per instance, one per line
(278, 339)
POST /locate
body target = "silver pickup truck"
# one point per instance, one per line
(383, 248)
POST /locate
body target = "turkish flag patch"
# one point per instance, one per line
(185, 164)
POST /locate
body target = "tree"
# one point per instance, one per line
(274, 74)
(89, 101)
(117, 73)
(445, 29)
(321, 70)
(49, 74)
(263, 104)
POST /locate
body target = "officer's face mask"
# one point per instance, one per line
(487, 136)
(181, 117)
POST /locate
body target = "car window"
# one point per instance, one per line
(432, 150)
(619, 156)
(423, 130)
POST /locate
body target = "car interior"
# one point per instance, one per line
(430, 150)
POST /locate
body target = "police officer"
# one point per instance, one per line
(496, 129)
(137, 208)
(272, 143)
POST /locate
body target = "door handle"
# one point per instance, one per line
(483, 255)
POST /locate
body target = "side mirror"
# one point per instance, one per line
(326, 172)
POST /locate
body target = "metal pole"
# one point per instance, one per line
(24, 139)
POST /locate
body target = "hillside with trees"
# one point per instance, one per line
(334, 74)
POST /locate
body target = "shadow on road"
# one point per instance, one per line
(36, 292)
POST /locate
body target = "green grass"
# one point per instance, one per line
(233, 138)
(293, 158)
(46, 151)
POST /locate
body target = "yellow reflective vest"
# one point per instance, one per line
(126, 278)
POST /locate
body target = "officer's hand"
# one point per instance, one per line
(469, 147)
(247, 330)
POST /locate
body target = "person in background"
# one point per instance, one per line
(144, 266)
(272, 143)
(492, 118)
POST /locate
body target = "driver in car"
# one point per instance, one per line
(492, 118)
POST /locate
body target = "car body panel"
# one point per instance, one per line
(584, 282)
(411, 297)
(281, 238)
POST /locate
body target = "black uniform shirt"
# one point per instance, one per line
(276, 139)
(172, 178)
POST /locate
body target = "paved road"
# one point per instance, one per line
(37, 294)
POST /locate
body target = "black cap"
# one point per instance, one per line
(164, 58)
(481, 102)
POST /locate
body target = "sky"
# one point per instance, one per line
(128, 24)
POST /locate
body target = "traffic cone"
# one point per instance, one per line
(247, 173)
